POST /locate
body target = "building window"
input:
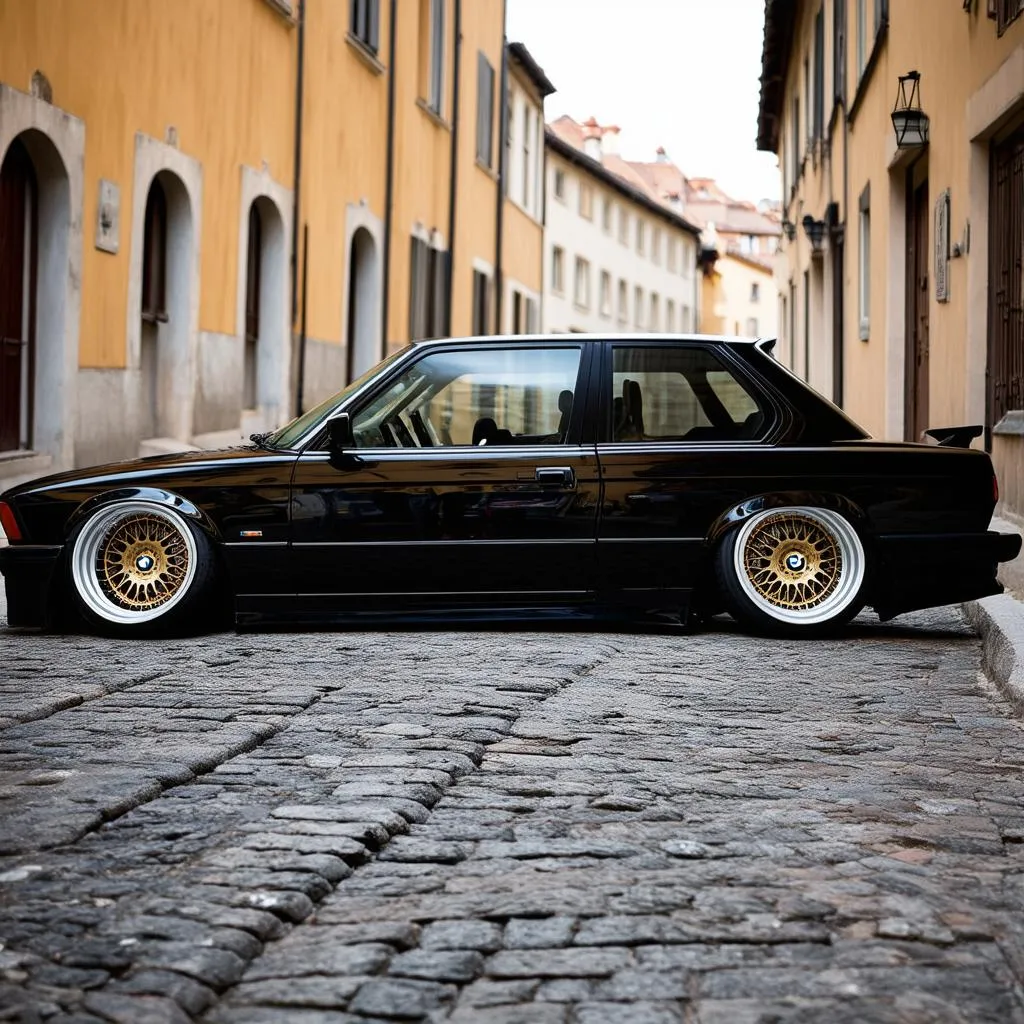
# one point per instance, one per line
(862, 36)
(638, 308)
(673, 255)
(481, 302)
(623, 302)
(1007, 11)
(655, 321)
(656, 246)
(864, 265)
(819, 74)
(606, 294)
(795, 139)
(364, 22)
(839, 51)
(752, 327)
(557, 269)
(527, 153)
(581, 288)
(755, 291)
(524, 313)
(432, 53)
(586, 201)
(428, 296)
(641, 236)
(606, 216)
(484, 112)
(253, 275)
(684, 322)
(559, 185)
(670, 317)
(623, 226)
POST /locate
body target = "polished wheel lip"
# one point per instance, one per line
(87, 561)
(842, 581)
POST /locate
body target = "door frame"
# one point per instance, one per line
(914, 386)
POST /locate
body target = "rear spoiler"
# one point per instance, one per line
(952, 437)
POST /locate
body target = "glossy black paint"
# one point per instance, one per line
(308, 533)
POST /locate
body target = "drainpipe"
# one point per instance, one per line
(297, 162)
(454, 160)
(499, 219)
(296, 193)
(389, 187)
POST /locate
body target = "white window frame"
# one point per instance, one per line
(581, 283)
(558, 270)
(605, 295)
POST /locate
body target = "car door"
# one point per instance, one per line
(468, 481)
(682, 438)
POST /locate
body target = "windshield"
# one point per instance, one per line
(291, 433)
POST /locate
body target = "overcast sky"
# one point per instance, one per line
(682, 74)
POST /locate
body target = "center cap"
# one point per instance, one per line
(144, 563)
(795, 562)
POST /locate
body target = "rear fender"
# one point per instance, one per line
(732, 517)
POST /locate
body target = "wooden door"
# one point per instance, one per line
(17, 258)
(917, 314)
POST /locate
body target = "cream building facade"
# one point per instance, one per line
(189, 256)
(616, 258)
(900, 281)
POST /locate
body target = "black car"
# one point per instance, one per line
(549, 472)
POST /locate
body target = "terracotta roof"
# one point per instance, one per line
(732, 217)
(779, 24)
(522, 56)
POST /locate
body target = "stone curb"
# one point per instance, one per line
(999, 622)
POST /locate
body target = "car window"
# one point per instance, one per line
(675, 393)
(481, 397)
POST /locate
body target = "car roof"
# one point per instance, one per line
(602, 336)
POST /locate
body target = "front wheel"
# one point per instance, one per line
(138, 568)
(794, 571)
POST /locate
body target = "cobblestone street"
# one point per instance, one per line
(525, 826)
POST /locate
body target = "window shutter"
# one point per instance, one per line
(373, 24)
(484, 110)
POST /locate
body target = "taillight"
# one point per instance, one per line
(8, 522)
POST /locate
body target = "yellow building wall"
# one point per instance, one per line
(222, 74)
(482, 31)
(522, 255)
(344, 152)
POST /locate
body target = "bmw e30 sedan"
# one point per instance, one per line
(652, 472)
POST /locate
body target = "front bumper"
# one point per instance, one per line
(928, 570)
(28, 571)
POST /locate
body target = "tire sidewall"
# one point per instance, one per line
(185, 608)
(752, 613)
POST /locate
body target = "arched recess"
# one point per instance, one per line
(361, 308)
(362, 328)
(42, 148)
(163, 288)
(263, 312)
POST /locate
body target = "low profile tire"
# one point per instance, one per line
(792, 571)
(140, 568)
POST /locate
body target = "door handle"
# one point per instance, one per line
(560, 477)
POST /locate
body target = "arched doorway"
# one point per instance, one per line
(361, 330)
(164, 312)
(18, 255)
(265, 356)
(35, 255)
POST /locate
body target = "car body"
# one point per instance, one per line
(645, 471)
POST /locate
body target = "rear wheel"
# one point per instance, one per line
(139, 567)
(794, 571)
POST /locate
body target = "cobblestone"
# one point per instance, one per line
(520, 827)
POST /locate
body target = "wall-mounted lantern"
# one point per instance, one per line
(815, 231)
(789, 229)
(909, 121)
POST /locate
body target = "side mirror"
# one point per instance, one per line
(340, 434)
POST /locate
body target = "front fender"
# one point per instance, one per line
(732, 517)
(156, 495)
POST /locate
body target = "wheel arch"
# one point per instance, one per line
(739, 513)
(155, 495)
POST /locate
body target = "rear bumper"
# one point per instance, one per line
(28, 573)
(928, 570)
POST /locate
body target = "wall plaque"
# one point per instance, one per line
(108, 217)
(942, 247)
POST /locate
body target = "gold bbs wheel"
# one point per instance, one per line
(134, 561)
(801, 566)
